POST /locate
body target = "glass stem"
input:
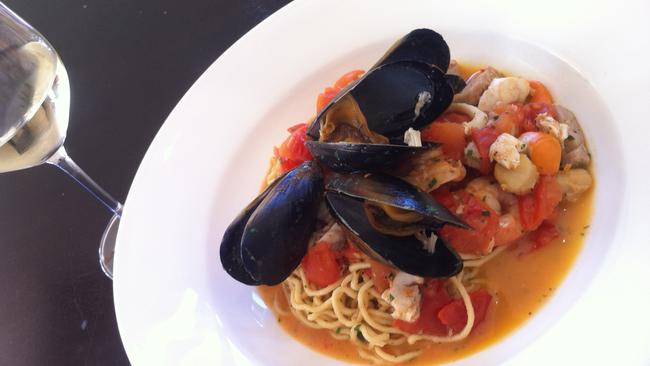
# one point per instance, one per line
(61, 160)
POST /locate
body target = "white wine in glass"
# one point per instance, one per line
(34, 112)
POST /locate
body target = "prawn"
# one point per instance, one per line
(507, 90)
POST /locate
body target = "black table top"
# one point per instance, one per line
(129, 63)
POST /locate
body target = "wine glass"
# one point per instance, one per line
(34, 112)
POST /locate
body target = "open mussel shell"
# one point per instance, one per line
(384, 189)
(352, 157)
(405, 253)
(266, 241)
(394, 97)
(422, 45)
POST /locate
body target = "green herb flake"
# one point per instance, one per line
(359, 333)
(485, 213)
(433, 183)
(338, 330)
(570, 138)
(391, 297)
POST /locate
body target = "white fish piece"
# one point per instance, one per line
(413, 137)
(507, 90)
(505, 151)
(404, 296)
(548, 124)
(334, 236)
(472, 156)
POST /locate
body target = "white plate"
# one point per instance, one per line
(174, 303)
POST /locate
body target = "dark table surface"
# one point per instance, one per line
(129, 63)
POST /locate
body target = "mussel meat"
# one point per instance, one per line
(403, 252)
(387, 191)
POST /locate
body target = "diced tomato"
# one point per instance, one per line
(325, 98)
(508, 231)
(455, 117)
(428, 322)
(484, 222)
(330, 92)
(380, 274)
(528, 212)
(347, 78)
(431, 286)
(545, 233)
(444, 197)
(506, 123)
(451, 135)
(531, 111)
(454, 314)
(320, 265)
(539, 205)
(510, 117)
(539, 93)
(293, 152)
(483, 139)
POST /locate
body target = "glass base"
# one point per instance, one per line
(107, 245)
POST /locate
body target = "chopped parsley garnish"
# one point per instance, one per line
(391, 297)
(570, 138)
(359, 334)
(433, 183)
(485, 213)
(338, 330)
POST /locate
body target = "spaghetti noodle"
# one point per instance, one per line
(352, 309)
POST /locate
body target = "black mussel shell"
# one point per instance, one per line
(394, 97)
(456, 82)
(403, 252)
(230, 249)
(387, 190)
(353, 157)
(276, 236)
(422, 45)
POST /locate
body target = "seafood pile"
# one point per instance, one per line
(360, 159)
(373, 173)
